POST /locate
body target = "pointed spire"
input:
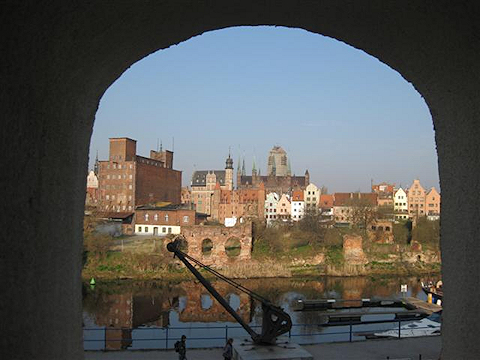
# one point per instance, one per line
(254, 169)
(95, 167)
(244, 173)
(239, 167)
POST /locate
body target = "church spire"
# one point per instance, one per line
(95, 167)
(254, 169)
(239, 167)
(244, 173)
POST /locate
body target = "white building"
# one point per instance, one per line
(298, 205)
(311, 197)
(271, 203)
(400, 204)
(92, 180)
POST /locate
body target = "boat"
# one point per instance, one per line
(434, 290)
(429, 326)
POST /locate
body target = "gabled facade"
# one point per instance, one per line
(400, 205)
(284, 208)
(311, 197)
(432, 204)
(271, 203)
(416, 200)
(298, 205)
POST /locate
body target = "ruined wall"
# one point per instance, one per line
(219, 235)
(353, 250)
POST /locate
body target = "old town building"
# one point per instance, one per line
(163, 219)
(298, 205)
(416, 199)
(279, 177)
(346, 206)
(312, 198)
(271, 202)
(432, 204)
(186, 196)
(127, 180)
(204, 182)
(228, 206)
(91, 198)
(284, 208)
(400, 205)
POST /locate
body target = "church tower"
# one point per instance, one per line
(239, 174)
(307, 178)
(229, 173)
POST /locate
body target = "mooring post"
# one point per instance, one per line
(166, 338)
(226, 332)
(399, 329)
(351, 326)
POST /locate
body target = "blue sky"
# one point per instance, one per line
(338, 112)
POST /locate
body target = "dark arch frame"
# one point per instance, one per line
(60, 57)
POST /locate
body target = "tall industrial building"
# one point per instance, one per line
(127, 180)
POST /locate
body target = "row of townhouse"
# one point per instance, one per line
(416, 202)
(291, 206)
(344, 208)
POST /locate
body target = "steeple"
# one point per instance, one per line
(229, 162)
(239, 167)
(95, 167)
(254, 169)
(244, 173)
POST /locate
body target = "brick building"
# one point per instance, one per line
(204, 182)
(240, 203)
(127, 180)
(162, 219)
(279, 178)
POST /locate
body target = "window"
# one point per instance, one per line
(107, 197)
(146, 217)
(130, 186)
(166, 217)
(139, 229)
(185, 219)
(169, 230)
(114, 165)
(108, 176)
(164, 229)
(130, 177)
(155, 217)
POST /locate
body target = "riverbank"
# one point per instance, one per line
(126, 267)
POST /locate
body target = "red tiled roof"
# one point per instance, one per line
(341, 199)
(297, 195)
(326, 201)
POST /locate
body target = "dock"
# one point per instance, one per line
(414, 303)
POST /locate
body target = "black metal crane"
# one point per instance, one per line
(275, 321)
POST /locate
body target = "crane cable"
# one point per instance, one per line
(227, 280)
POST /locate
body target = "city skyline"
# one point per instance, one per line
(250, 88)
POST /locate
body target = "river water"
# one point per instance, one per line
(152, 315)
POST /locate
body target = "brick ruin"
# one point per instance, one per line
(200, 237)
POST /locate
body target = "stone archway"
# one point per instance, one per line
(60, 57)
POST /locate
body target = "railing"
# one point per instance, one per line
(109, 338)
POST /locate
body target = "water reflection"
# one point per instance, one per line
(150, 307)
